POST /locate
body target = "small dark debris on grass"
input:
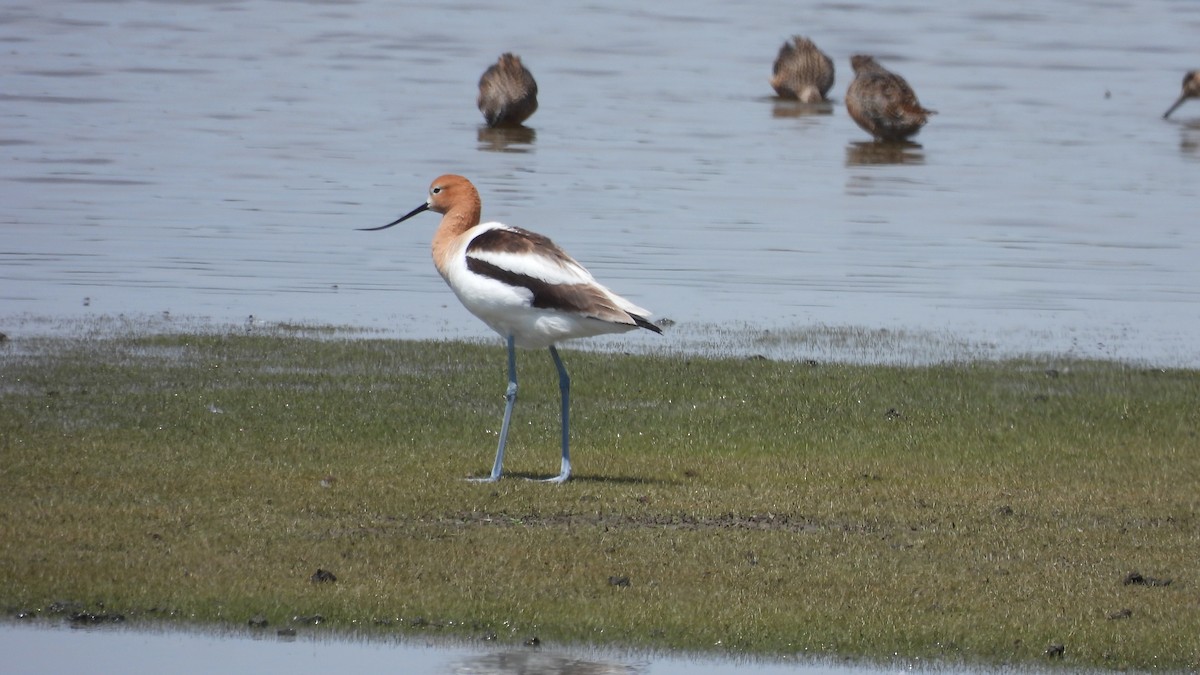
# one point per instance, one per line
(1005, 510)
(1120, 614)
(1135, 578)
(533, 641)
(619, 581)
(64, 606)
(93, 618)
(1056, 650)
(322, 576)
(258, 621)
(892, 414)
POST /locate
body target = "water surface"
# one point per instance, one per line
(33, 648)
(212, 159)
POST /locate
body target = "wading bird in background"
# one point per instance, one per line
(1191, 89)
(882, 103)
(507, 92)
(802, 71)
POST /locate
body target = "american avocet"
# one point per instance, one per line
(522, 285)
(1191, 89)
(802, 71)
(882, 103)
(507, 92)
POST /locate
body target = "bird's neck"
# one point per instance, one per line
(445, 240)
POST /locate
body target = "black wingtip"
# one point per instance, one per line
(643, 322)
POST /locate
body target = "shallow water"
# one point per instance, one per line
(213, 158)
(32, 648)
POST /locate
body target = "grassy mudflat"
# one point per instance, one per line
(981, 511)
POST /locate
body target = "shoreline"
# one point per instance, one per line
(858, 345)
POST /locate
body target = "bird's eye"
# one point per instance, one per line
(434, 190)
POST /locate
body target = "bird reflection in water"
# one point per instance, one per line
(866, 153)
(506, 139)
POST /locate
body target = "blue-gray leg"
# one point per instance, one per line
(510, 397)
(564, 388)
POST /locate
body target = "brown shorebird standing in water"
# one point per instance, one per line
(507, 92)
(882, 103)
(802, 71)
(1191, 89)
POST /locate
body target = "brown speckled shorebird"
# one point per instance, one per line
(802, 71)
(882, 103)
(507, 92)
(1191, 89)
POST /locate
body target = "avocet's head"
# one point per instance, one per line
(445, 193)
